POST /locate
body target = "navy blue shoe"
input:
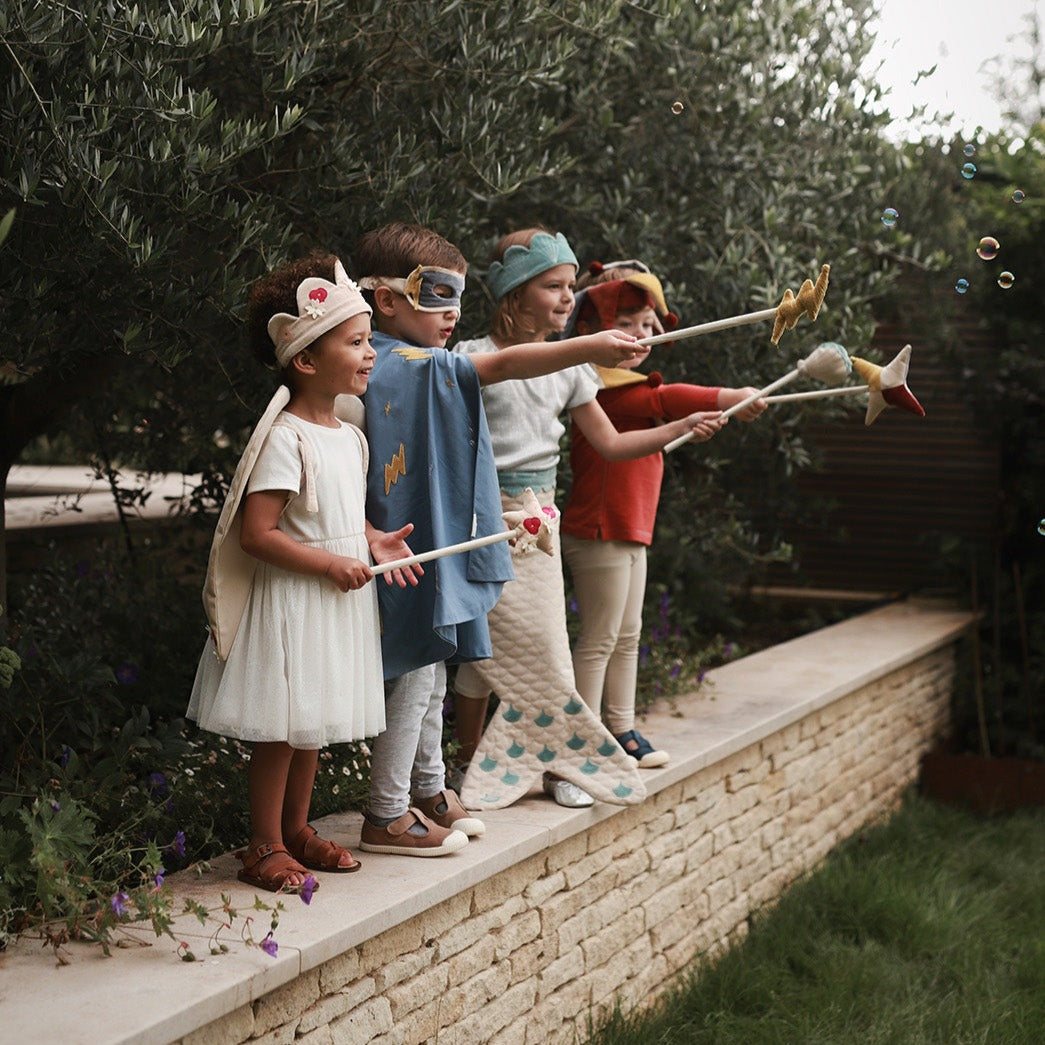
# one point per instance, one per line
(640, 749)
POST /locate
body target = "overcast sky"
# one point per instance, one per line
(958, 36)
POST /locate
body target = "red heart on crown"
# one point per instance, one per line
(532, 525)
(319, 294)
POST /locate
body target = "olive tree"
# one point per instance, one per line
(158, 159)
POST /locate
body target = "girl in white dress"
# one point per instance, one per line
(294, 659)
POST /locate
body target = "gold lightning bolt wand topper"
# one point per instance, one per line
(807, 301)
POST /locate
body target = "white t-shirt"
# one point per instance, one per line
(523, 416)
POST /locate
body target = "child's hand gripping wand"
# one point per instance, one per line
(886, 386)
(827, 362)
(808, 300)
(532, 525)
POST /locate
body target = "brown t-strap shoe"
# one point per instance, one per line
(397, 837)
(453, 815)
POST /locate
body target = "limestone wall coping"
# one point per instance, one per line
(145, 994)
(59, 496)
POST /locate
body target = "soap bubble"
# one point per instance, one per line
(961, 286)
(969, 149)
(1006, 280)
(1019, 196)
(889, 217)
(969, 171)
(677, 108)
(988, 248)
(1041, 527)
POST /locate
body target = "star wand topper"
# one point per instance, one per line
(886, 386)
(531, 526)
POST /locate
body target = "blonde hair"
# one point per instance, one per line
(510, 322)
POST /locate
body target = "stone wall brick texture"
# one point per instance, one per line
(611, 915)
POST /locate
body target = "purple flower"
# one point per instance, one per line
(700, 675)
(269, 946)
(643, 654)
(572, 605)
(156, 785)
(158, 877)
(177, 847)
(675, 669)
(119, 904)
(56, 806)
(665, 603)
(127, 674)
(308, 887)
(727, 649)
(66, 754)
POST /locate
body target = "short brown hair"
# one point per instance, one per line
(277, 292)
(397, 249)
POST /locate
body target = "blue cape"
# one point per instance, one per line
(431, 464)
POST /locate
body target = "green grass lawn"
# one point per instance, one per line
(927, 929)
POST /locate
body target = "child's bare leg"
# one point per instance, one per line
(267, 777)
(470, 717)
(298, 797)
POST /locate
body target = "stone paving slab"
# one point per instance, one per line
(147, 995)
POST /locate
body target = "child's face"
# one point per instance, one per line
(547, 299)
(424, 329)
(642, 324)
(344, 357)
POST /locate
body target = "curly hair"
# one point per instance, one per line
(277, 292)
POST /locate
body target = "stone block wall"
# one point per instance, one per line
(612, 914)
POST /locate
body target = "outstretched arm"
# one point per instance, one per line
(591, 419)
(517, 362)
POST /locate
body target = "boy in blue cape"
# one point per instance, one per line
(431, 464)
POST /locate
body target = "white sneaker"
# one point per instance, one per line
(567, 794)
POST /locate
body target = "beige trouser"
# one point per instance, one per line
(609, 579)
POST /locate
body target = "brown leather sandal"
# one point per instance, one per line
(319, 854)
(273, 877)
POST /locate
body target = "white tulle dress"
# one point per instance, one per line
(305, 665)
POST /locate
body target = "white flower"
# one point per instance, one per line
(314, 309)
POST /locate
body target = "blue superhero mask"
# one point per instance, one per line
(427, 288)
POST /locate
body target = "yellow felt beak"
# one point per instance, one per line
(650, 283)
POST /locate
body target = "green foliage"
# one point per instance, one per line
(998, 709)
(102, 784)
(156, 159)
(1007, 395)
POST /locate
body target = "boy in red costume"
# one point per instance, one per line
(608, 521)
